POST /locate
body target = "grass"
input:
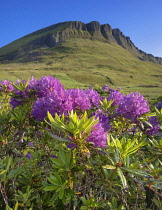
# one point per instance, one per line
(82, 62)
(20, 43)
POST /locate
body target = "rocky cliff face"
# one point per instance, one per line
(55, 34)
(92, 30)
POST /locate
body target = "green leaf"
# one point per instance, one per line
(109, 167)
(45, 184)
(110, 159)
(61, 193)
(69, 159)
(122, 177)
(2, 172)
(58, 163)
(15, 172)
(58, 177)
(58, 138)
(84, 201)
(54, 181)
(20, 193)
(84, 208)
(62, 156)
(9, 160)
(16, 206)
(137, 172)
(127, 161)
(16, 86)
(8, 208)
(50, 117)
(79, 127)
(50, 188)
(134, 149)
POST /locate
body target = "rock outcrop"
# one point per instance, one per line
(92, 30)
(55, 34)
(106, 31)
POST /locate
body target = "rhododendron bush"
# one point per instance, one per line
(78, 149)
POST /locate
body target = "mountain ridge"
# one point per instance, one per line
(55, 34)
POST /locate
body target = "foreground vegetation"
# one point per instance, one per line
(78, 149)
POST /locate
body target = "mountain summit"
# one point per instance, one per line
(55, 34)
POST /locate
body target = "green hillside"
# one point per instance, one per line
(19, 44)
(81, 62)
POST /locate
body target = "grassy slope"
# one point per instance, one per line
(20, 43)
(83, 62)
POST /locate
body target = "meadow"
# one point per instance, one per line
(79, 62)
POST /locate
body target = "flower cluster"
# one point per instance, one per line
(21, 96)
(61, 101)
(98, 136)
(155, 126)
(159, 105)
(52, 103)
(106, 88)
(51, 96)
(116, 96)
(103, 119)
(45, 86)
(48, 94)
(132, 106)
(35, 88)
(6, 86)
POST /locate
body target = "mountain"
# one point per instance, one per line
(82, 55)
(53, 35)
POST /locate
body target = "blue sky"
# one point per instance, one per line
(141, 20)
